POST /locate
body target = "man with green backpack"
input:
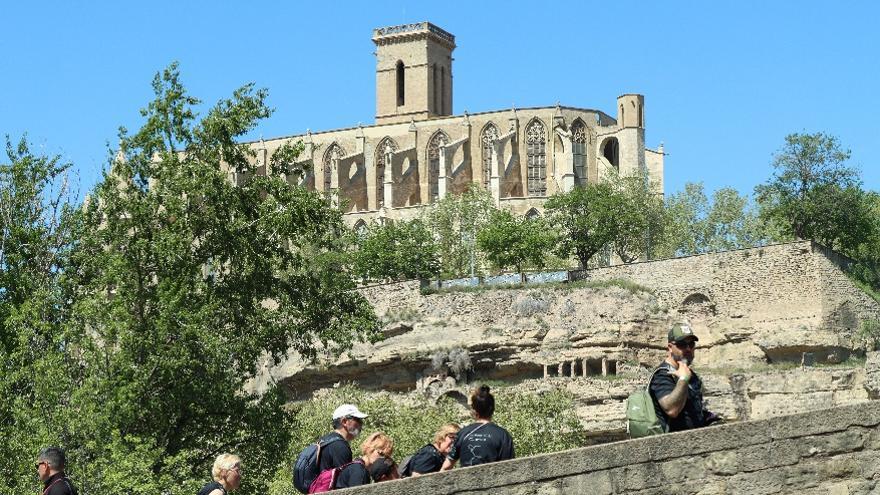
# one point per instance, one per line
(673, 399)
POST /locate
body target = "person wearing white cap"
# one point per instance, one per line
(348, 421)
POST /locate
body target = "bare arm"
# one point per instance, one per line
(447, 464)
(673, 403)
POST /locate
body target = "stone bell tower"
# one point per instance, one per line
(413, 72)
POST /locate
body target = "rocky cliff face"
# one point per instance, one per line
(750, 308)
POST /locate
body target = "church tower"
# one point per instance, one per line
(413, 72)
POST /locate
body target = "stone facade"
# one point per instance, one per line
(834, 451)
(418, 151)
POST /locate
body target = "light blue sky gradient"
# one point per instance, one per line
(724, 82)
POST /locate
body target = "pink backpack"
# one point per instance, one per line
(326, 481)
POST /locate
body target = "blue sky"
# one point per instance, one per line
(724, 82)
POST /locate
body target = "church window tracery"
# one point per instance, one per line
(536, 141)
(331, 163)
(383, 158)
(487, 143)
(439, 139)
(579, 140)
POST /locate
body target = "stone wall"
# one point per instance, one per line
(834, 451)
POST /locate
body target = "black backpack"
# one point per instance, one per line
(307, 465)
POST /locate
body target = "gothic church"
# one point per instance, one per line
(418, 151)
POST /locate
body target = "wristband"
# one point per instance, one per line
(685, 379)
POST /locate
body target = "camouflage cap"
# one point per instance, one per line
(680, 332)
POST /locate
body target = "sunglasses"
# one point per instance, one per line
(38, 464)
(688, 344)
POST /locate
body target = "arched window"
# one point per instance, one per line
(443, 91)
(621, 123)
(611, 152)
(437, 140)
(401, 85)
(536, 141)
(383, 154)
(331, 163)
(436, 85)
(487, 143)
(579, 140)
(360, 229)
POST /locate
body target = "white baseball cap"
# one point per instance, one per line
(348, 410)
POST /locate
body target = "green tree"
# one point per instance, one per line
(585, 217)
(516, 242)
(455, 221)
(813, 194)
(184, 283)
(639, 214)
(695, 224)
(35, 213)
(401, 250)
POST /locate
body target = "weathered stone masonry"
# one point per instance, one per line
(834, 451)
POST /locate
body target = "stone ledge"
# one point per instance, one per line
(779, 451)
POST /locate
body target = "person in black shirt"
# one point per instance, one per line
(429, 459)
(676, 389)
(483, 441)
(348, 421)
(226, 473)
(50, 468)
(376, 448)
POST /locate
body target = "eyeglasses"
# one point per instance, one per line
(40, 463)
(688, 344)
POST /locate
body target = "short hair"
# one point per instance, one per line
(378, 442)
(224, 462)
(54, 457)
(482, 402)
(445, 430)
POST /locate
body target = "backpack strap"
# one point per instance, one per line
(474, 431)
(661, 367)
(321, 445)
(339, 469)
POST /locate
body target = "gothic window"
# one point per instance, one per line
(611, 152)
(532, 214)
(437, 109)
(487, 143)
(438, 140)
(443, 92)
(360, 229)
(331, 164)
(579, 139)
(383, 153)
(536, 141)
(401, 85)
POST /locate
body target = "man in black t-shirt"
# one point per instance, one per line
(676, 390)
(348, 421)
(481, 443)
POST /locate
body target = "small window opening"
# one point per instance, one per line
(400, 84)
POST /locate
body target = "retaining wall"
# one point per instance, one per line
(833, 451)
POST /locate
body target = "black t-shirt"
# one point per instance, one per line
(693, 415)
(58, 484)
(355, 474)
(333, 454)
(481, 443)
(427, 460)
(210, 487)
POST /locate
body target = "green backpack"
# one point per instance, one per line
(641, 419)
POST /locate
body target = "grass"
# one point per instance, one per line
(851, 362)
(866, 288)
(628, 285)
